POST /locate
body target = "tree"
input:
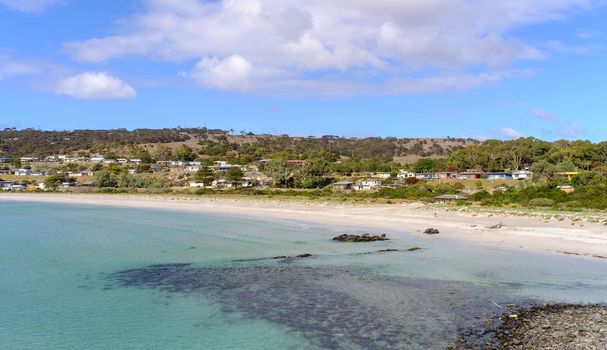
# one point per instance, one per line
(424, 165)
(185, 154)
(53, 181)
(279, 171)
(234, 174)
(205, 175)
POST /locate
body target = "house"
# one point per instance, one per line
(522, 175)
(67, 184)
(28, 159)
(343, 185)
(367, 185)
(470, 175)
(122, 160)
(221, 184)
(426, 176)
(499, 176)
(5, 160)
(42, 186)
(197, 184)
(136, 161)
(28, 172)
(447, 175)
(405, 175)
(450, 198)
(97, 159)
(132, 171)
(17, 186)
(193, 168)
(566, 189)
(381, 175)
(5, 185)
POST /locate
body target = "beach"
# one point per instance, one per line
(573, 233)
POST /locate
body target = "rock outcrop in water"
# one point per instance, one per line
(431, 231)
(365, 237)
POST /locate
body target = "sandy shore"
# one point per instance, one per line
(572, 233)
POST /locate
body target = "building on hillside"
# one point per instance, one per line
(522, 175)
(447, 175)
(28, 172)
(197, 184)
(42, 186)
(193, 168)
(5, 185)
(5, 160)
(97, 159)
(470, 175)
(404, 175)
(122, 161)
(28, 160)
(380, 175)
(426, 176)
(499, 176)
(367, 185)
(566, 189)
(445, 198)
(136, 161)
(343, 185)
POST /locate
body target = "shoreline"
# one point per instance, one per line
(570, 234)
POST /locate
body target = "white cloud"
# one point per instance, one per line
(231, 73)
(510, 133)
(10, 67)
(30, 5)
(94, 85)
(543, 115)
(360, 45)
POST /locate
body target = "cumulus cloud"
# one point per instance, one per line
(543, 115)
(94, 85)
(30, 5)
(358, 45)
(511, 133)
(10, 67)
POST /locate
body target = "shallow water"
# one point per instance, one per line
(99, 278)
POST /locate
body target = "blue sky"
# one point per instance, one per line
(405, 68)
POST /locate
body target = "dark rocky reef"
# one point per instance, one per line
(364, 237)
(431, 231)
(557, 326)
(332, 307)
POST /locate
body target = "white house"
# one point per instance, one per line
(367, 185)
(380, 175)
(405, 175)
(522, 175)
(197, 184)
(97, 159)
(192, 168)
(122, 160)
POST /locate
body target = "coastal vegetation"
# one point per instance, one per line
(564, 175)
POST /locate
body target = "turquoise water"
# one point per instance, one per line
(88, 277)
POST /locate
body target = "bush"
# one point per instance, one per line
(541, 202)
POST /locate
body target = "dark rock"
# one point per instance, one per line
(412, 249)
(431, 231)
(365, 237)
(497, 226)
(306, 255)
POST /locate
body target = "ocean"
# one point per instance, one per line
(96, 277)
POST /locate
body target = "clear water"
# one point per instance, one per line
(87, 277)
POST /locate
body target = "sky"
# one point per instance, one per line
(402, 68)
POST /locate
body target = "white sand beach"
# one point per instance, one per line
(569, 233)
